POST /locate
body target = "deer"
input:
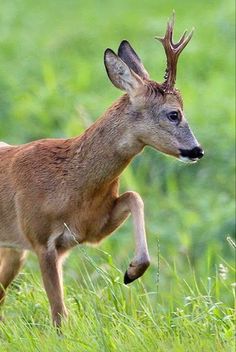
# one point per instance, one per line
(57, 193)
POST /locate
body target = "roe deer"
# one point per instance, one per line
(56, 193)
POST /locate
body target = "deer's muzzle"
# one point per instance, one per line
(191, 155)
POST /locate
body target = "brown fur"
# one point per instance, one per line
(56, 193)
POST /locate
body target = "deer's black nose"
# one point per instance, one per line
(195, 153)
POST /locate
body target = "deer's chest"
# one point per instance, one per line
(93, 214)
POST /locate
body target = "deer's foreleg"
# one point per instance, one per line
(131, 203)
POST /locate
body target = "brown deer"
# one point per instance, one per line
(56, 193)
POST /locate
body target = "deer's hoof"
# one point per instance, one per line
(135, 270)
(127, 279)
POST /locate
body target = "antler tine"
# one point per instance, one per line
(175, 45)
(168, 37)
(181, 44)
(170, 26)
(172, 51)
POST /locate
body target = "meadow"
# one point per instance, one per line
(53, 84)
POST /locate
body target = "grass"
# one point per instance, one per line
(106, 315)
(53, 84)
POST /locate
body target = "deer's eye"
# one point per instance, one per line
(173, 116)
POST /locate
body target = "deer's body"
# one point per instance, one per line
(49, 183)
(55, 194)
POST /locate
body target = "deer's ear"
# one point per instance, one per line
(130, 57)
(120, 74)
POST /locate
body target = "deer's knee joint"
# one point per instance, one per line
(135, 199)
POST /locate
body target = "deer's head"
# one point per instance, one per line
(156, 109)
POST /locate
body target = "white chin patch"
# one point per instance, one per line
(185, 159)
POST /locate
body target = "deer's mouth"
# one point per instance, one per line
(188, 160)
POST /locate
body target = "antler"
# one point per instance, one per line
(172, 51)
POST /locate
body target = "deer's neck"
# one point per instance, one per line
(106, 148)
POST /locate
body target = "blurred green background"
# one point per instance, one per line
(53, 84)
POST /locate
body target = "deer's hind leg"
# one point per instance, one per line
(11, 261)
(51, 269)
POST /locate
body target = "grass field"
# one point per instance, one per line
(53, 84)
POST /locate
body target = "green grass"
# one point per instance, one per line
(53, 84)
(106, 315)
